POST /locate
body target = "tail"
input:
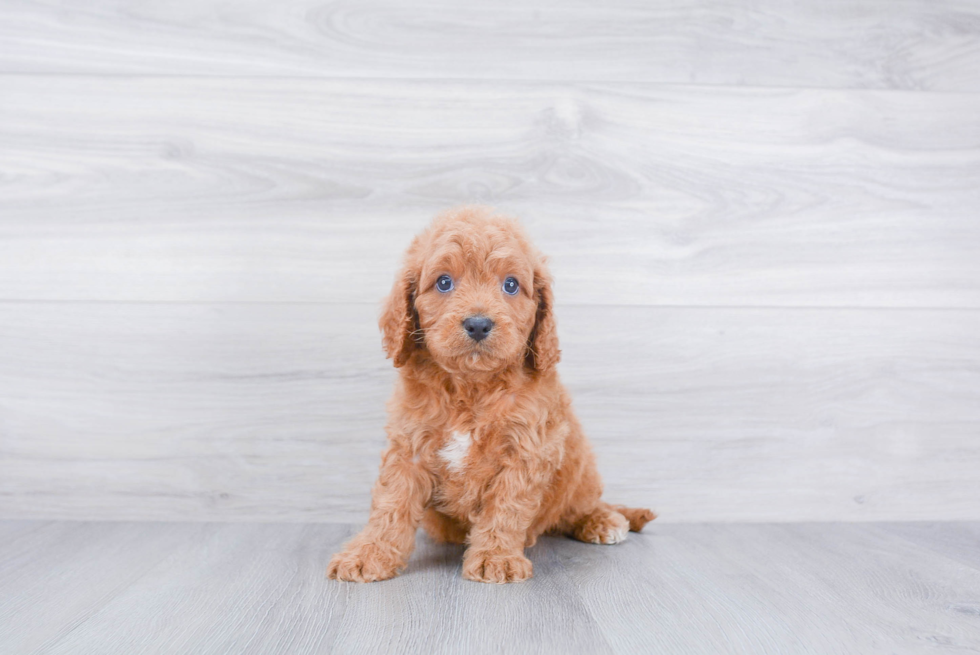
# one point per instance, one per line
(638, 517)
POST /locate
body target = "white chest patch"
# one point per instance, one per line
(454, 452)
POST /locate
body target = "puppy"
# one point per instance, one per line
(483, 446)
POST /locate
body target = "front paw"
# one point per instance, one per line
(496, 567)
(365, 563)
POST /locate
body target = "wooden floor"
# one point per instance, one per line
(68, 587)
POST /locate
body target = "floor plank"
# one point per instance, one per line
(430, 605)
(183, 189)
(56, 577)
(792, 588)
(226, 588)
(696, 588)
(859, 44)
(960, 541)
(275, 412)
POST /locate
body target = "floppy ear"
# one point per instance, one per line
(542, 350)
(399, 322)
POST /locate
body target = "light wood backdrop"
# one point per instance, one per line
(764, 220)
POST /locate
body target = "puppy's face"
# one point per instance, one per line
(475, 295)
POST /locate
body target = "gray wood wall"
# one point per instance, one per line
(764, 220)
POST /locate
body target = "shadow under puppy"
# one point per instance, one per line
(483, 446)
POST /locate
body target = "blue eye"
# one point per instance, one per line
(444, 284)
(511, 287)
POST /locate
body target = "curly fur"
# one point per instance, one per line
(483, 446)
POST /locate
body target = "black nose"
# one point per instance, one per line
(478, 327)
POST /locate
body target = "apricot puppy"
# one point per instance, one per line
(483, 447)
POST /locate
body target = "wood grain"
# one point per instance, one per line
(911, 44)
(226, 588)
(800, 588)
(57, 576)
(761, 217)
(275, 412)
(181, 189)
(959, 542)
(697, 588)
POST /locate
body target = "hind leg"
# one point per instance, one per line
(444, 528)
(603, 526)
(637, 517)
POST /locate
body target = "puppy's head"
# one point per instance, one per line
(475, 295)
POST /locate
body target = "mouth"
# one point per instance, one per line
(479, 356)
